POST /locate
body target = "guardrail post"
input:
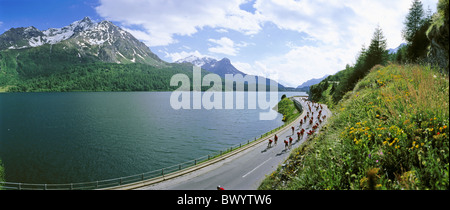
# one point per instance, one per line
(195, 162)
(20, 186)
(71, 186)
(179, 167)
(45, 186)
(96, 184)
(142, 177)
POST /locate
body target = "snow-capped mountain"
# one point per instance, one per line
(104, 40)
(220, 67)
(196, 61)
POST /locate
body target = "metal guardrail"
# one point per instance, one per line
(107, 183)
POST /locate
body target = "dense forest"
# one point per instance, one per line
(58, 68)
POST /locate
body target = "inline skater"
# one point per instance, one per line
(286, 144)
(290, 142)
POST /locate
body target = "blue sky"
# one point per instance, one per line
(288, 40)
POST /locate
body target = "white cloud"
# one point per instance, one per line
(221, 30)
(298, 65)
(150, 39)
(340, 23)
(225, 46)
(335, 30)
(340, 28)
(1, 23)
(159, 20)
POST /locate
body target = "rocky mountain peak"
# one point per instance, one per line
(105, 40)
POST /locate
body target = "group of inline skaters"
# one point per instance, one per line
(307, 121)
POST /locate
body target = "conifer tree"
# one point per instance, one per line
(414, 20)
(377, 53)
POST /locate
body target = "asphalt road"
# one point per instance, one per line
(246, 170)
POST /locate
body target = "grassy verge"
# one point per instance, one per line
(390, 132)
(2, 174)
(287, 108)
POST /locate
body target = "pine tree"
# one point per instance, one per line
(377, 53)
(414, 20)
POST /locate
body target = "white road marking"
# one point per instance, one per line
(256, 167)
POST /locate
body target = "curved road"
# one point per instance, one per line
(246, 170)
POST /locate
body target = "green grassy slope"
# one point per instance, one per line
(390, 132)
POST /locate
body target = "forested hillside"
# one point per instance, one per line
(390, 123)
(57, 68)
(427, 43)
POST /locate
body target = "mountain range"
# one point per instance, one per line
(30, 57)
(220, 67)
(312, 82)
(104, 40)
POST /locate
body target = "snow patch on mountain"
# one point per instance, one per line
(197, 61)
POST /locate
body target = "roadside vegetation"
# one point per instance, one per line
(2, 174)
(390, 132)
(287, 108)
(390, 123)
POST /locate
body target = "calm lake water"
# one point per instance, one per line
(89, 136)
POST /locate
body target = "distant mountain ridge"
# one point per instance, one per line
(392, 51)
(219, 67)
(312, 82)
(91, 56)
(104, 40)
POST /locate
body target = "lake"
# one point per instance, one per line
(89, 136)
